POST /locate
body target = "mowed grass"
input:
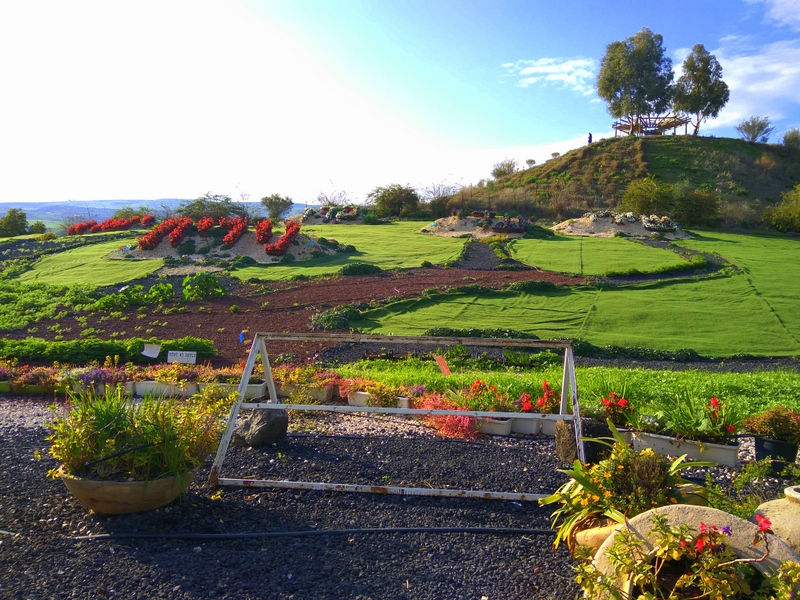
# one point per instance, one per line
(89, 266)
(396, 245)
(751, 312)
(580, 255)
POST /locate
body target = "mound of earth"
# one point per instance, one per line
(303, 248)
(606, 227)
(457, 227)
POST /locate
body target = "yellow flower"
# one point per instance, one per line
(596, 498)
(607, 474)
(585, 502)
(607, 494)
(620, 466)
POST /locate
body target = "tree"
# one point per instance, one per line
(791, 139)
(211, 205)
(437, 196)
(647, 197)
(277, 205)
(394, 200)
(635, 77)
(37, 227)
(530, 162)
(335, 198)
(755, 129)
(700, 91)
(785, 216)
(504, 168)
(14, 223)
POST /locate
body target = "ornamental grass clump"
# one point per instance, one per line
(622, 486)
(107, 437)
(694, 419)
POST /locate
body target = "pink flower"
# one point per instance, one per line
(763, 523)
(714, 403)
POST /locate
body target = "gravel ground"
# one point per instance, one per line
(41, 557)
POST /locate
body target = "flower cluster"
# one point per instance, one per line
(282, 245)
(180, 231)
(205, 225)
(93, 226)
(148, 220)
(524, 404)
(236, 226)
(722, 421)
(508, 225)
(453, 426)
(776, 424)
(616, 407)
(656, 223)
(264, 231)
(549, 401)
(152, 238)
(81, 228)
(482, 396)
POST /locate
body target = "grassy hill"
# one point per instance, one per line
(747, 176)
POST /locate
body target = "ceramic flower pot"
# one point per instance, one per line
(121, 497)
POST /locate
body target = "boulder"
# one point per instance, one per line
(261, 427)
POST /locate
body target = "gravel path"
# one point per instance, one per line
(40, 557)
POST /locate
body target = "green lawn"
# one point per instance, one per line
(397, 245)
(580, 255)
(751, 312)
(87, 265)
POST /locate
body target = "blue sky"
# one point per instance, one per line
(157, 99)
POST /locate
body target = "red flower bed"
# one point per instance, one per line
(148, 220)
(180, 231)
(153, 237)
(205, 225)
(81, 228)
(282, 245)
(237, 226)
(264, 231)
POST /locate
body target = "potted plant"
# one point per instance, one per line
(480, 396)
(777, 432)
(605, 494)
(117, 457)
(701, 430)
(354, 389)
(7, 374)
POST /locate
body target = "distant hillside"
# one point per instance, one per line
(748, 176)
(52, 213)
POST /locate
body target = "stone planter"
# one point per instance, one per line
(527, 426)
(661, 444)
(785, 516)
(358, 399)
(121, 497)
(492, 426)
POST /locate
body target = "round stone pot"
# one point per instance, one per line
(121, 497)
(779, 451)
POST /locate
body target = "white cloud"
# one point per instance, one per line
(765, 83)
(576, 74)
(783, 12)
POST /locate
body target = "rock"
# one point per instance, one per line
(261, 427)
(785, 517)
(565, 440)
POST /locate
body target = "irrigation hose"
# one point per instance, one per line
(210, 537)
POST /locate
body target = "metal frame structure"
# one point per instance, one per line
(259, 348)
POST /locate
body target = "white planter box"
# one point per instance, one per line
(528, 426)
(358, 399)
(156, 388)
(668, 446)
(491, 426)
(324, 395)
(254, 390)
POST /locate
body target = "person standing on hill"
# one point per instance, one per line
(590, 139)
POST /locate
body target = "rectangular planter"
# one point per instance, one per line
(491, 426)
(156, 388)
(719, 453)
(324, 395)
(527, 426)
(358, 399)
(254, 390)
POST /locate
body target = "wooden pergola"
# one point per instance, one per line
(651, 124)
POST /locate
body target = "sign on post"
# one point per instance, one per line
(181, 356)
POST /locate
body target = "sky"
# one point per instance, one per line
(173, 99)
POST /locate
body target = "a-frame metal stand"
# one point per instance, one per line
(258, 348)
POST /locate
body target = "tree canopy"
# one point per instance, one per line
(395, 200)
(14, 223)
(755, 129)
(277, 205)
(504, 168)
(211, 205)
(635, 77)
(700, 91)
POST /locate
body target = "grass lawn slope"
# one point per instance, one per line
(396, 245)
(88, 265)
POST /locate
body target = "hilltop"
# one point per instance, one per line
(748, 176)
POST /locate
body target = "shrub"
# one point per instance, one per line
(47, 236)
(785, 216)
(187, 247)
(336, 318)
(93, 349)
(647, 197)
(202, 285)
(791, 139)
(370, 218)
(359, 268)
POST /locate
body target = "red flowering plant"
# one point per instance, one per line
(713, 420)
(204, 226)
(686, 563)
(617, 408)
(549, 401)
(481, 396)
(454, 426)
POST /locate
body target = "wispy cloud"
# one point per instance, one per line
(575, 74)
(764, 83)
(783, 12)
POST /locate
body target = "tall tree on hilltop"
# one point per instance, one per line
(700, 91)
(394, 201)
(635, 77)
(277, 205)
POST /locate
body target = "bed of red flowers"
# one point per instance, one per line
(282, 245)
(92, 226)
(236, 228)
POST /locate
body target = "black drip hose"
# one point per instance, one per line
(209, 537)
